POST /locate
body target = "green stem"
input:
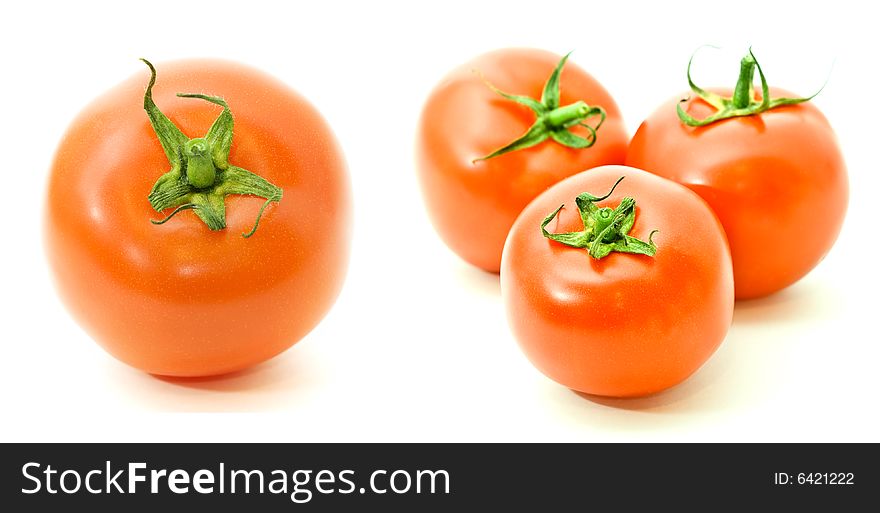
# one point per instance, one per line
(743, 102)
(743, 92)
(201, 176)
(200, 169)
(552, 121)
(567, 116)
(604, 217)
(606, 229)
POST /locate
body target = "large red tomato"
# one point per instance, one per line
(776, 179)
(192, 296)
(641, 302)
(473, 203)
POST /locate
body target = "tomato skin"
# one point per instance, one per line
(776, 180)
(473, 204)
(625, 325)
(179, 299)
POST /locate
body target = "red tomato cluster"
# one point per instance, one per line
(617, 280)
(597, 303)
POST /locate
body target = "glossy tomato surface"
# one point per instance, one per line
(777, 181)
(179, 299)
(624, 325)
(473, 204)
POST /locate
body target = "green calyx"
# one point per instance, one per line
(605, 229)
(743, 101)
(201, 176)
(552, 120)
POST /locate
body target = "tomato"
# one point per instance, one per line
(776, 179)
(193, 297)
(618, 324)
(473, 203)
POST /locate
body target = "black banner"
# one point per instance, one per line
(437, 477)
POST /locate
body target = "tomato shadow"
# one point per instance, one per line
(478, 281)
(724, 385)
(254, 378)
(655, 402)
(741, 376)
(271, 385)
(699, 393)
(805, 301)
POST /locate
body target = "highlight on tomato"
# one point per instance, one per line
(197, 220)
(499, 130)
(617, 282)
(769, 165)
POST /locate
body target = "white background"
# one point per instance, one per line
(417, 347)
